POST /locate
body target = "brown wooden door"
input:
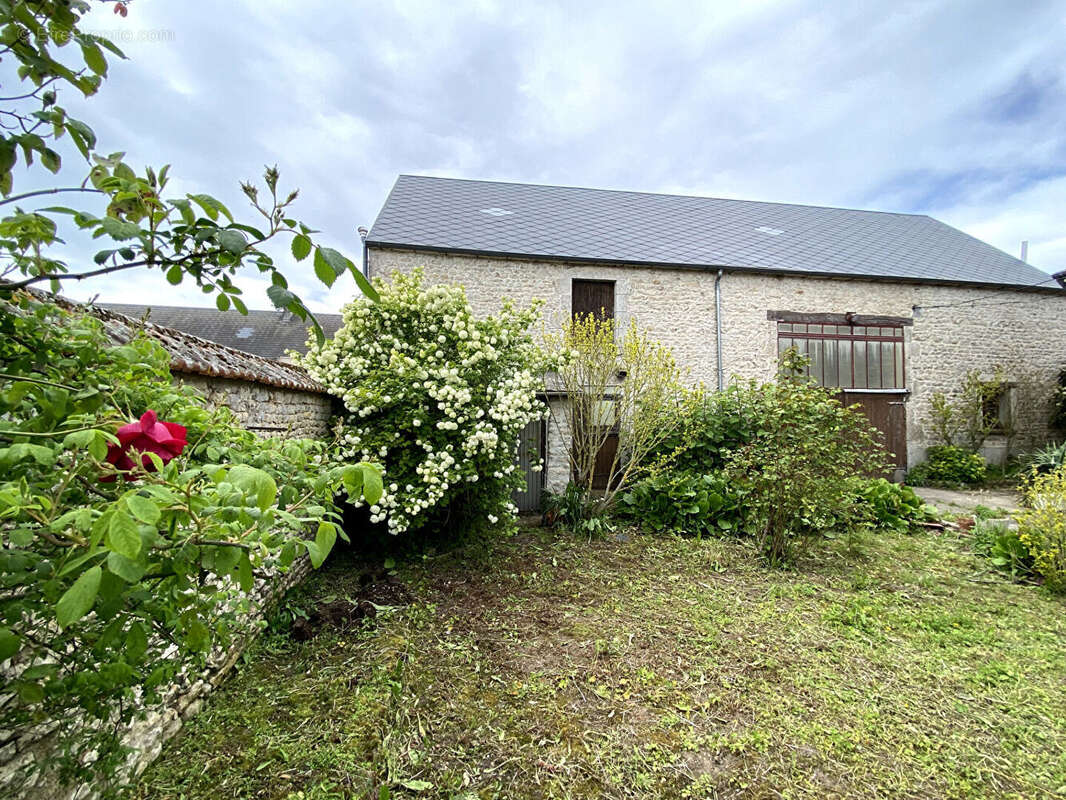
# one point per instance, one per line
(604, 460)
(592, 297)
(887, 412)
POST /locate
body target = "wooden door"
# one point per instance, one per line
(887, 412)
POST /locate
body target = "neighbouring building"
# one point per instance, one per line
(270, 334)
(891, 308)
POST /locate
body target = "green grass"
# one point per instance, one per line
(651, 667)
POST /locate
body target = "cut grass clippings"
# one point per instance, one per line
(548, 667)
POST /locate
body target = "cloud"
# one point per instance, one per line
(931, 108)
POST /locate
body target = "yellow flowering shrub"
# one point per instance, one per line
(1042, 526)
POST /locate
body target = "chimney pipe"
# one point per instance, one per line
(1025, 250)
(366, 255)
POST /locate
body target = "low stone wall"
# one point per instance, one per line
(28, 751)
(267, 410)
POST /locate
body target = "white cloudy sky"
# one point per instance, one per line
(947, 108)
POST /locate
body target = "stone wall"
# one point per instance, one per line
(955, 328)
(267, 410)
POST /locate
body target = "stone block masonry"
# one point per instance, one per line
(267, 410)
(955, 328)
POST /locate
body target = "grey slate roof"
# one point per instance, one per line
(558, 222)
(263, 333)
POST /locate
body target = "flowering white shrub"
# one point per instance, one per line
(437, 397)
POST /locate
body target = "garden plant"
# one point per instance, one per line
(435, 395)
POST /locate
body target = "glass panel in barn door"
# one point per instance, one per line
(888, 365)
(873, 365)
(899, 365)
(814, 351)
(845, 365)
(859, 364)
(830, 362)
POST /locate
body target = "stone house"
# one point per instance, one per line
(891, 308)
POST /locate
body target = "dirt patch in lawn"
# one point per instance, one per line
(358, 611)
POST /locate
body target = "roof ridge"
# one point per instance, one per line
(110, 305)
(600, 190)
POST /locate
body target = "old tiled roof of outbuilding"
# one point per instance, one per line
(193, 355)
(263, 333)
(574, 224)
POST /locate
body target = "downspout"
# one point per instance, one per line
(366, 253)
(718, 326)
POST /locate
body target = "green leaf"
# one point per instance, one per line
(198, 637)
(301, 246)
(325, 272)
(222, 302)
(211, 206)
(129, 570)
(9, 644)
(79, 598)
(373, 487)
(94, 58)
(51, 160)
(123, 535)
(244, 573)
(232, 241)
(30, 693)
(143, 509)
(416, 786)
(254, 481)
(365, 286)
(239, 305)
(174, 275)
(315, 554)
(136, 642)
(280, 296)
(325, 538)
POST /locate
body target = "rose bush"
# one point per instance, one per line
(435, 395)
(111, 588)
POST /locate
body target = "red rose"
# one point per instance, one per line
(146, 435)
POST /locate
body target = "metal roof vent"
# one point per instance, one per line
(770, 231)
(496, 212)
(245, 333)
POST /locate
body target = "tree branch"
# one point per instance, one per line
(41, 192)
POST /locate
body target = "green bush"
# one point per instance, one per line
(1047, 459)
(719, 424)
(1042, 527)
(890, 505)
(685, 502)
(571, 508)
(948, 464)
(438, 397)
(793, 472)
(1003, 547)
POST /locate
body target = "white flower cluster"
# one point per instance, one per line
(435, 395)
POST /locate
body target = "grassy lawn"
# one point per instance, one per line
(648, 667)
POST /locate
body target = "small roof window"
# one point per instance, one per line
(496, 212)
(769, 231)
